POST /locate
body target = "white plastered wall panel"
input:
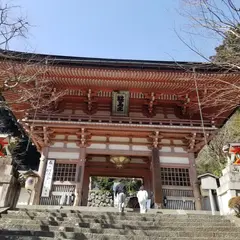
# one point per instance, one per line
(57, 145)
(140, 148)
(119, 139)
(177, 142)
(179, 150)
(165, 149)
(72, 145)
(60, 137)
(118, 147)
(139, 140)
(166, 141)
(98, 146)
(72, 137)
(98, 138)
(174, 159)
(63, 155)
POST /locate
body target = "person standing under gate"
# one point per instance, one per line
(121, 193)
(142, 196)
(115, 196)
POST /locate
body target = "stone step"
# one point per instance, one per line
(121, 225)
(27, 238)
(106, 237)
(69, 225)
(126, 231)
(174, 222)
(114, 214)
(119, 216)
(143, 236)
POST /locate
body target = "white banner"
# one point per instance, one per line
(48, 179)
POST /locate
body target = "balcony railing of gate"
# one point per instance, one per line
(122, 120)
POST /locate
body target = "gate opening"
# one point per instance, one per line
(101, 191)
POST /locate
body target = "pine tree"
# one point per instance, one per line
(229, 51)
(24, 153)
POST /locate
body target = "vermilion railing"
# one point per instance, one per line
(122, 120)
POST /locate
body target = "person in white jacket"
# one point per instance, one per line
(142, 196)
(115, 196)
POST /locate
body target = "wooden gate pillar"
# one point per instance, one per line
(85, 189)
(80, 180)
(156, 178)
(41, 173)
(194, 182)
(147, 182)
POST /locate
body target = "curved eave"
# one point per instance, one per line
(128, 79)
(201, 67)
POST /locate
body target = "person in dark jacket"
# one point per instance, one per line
(121, 193)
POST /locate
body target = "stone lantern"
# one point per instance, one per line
(30, 179)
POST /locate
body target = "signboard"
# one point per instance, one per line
(120, 102)
(47, 183)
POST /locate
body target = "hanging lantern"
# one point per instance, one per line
(120, 161)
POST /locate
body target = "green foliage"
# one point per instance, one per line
(106, 184)
(25, 156)
(103, 183)
(234, 203)
(211, 158)
(132, 185)
(229, 50)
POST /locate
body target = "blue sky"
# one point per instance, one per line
(125, 29)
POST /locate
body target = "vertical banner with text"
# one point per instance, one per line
(48, 179)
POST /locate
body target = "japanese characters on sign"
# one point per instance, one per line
(120, 102)
(47, 184)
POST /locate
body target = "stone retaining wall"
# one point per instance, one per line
(9, 186)
(98, 198)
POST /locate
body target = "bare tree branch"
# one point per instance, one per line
(222, 19)
(22, 80)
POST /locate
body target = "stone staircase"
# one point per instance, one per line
(74, 224)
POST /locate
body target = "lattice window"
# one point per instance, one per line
(65, 172)
(175, 176)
